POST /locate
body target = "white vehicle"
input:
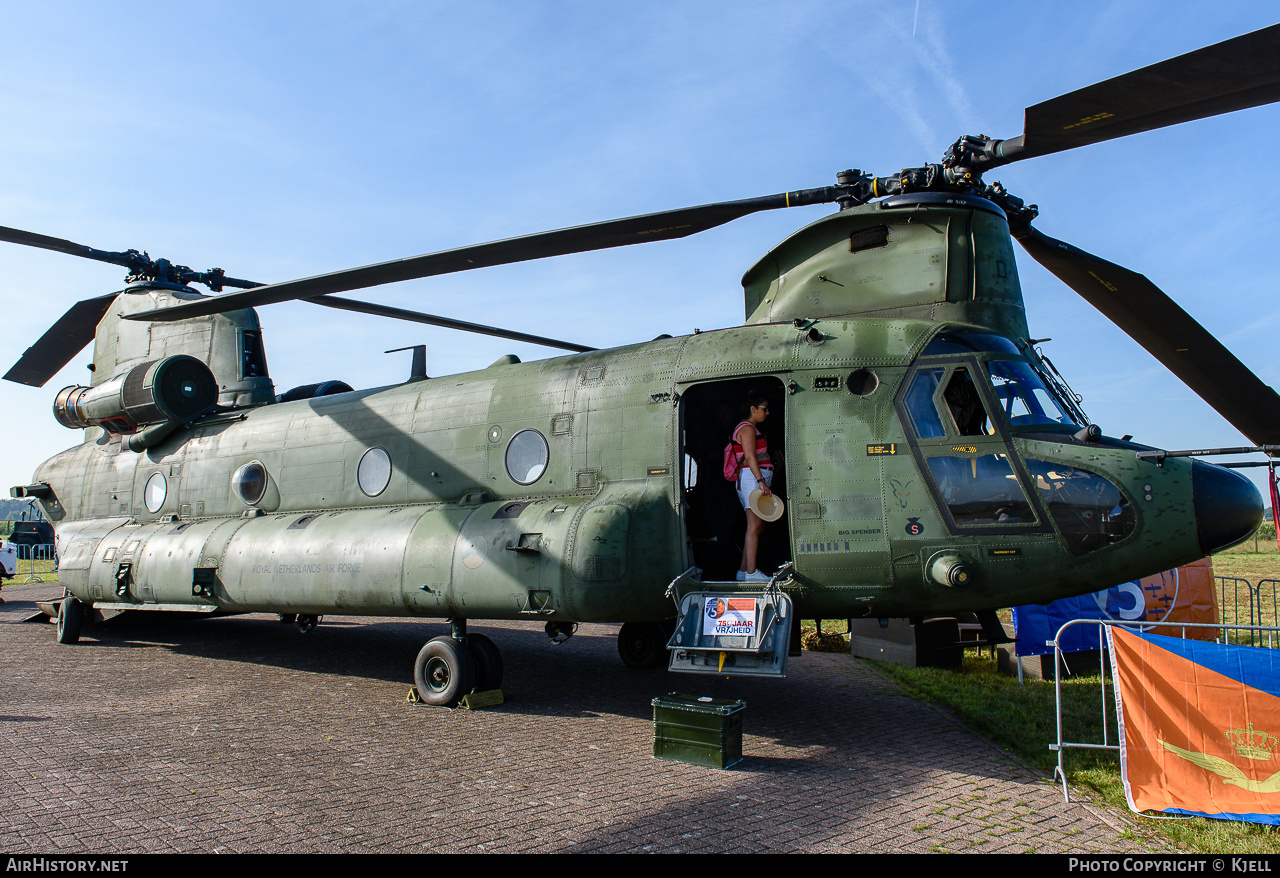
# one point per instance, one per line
(8, 559)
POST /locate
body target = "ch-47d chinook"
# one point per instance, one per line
(932, 461)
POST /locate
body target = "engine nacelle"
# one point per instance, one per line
(173, 389)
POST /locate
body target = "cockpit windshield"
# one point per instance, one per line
(1023, 396)
(1022, 384)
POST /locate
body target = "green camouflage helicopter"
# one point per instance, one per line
(931, 460)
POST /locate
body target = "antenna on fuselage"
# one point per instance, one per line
(418, 369)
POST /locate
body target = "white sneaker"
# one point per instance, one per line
(742, 575)
(758, 576)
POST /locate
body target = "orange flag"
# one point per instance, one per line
(1198, 726)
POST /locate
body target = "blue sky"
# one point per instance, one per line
(281, 140)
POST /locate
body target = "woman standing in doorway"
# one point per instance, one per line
(755, 471)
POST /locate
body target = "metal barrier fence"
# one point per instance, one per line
(1261, 606)
(1260, 632)
(36, 563)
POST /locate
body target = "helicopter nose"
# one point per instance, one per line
(1228, 506)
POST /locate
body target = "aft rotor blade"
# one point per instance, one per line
(446, 322)
(1170, 334)
(662, 226)
(1233, 75)
(61, 342)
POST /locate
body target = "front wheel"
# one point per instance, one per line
(70, 619)
(444, 672)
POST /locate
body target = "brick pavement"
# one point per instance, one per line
(163, 734)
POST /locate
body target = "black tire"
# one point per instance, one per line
(642, 644)
(70, 620)
(288, 618)
(488, 662)
(444, 672)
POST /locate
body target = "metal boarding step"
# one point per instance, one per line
(726, 628)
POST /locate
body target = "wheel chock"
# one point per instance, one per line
(471, 701)
(488, 698)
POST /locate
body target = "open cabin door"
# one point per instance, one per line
(712, 516)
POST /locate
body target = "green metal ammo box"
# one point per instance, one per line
(699, 731)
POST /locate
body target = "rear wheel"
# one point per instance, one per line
(444, 672)
(70, 619)
(642, 644)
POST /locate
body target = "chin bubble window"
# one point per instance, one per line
(1090, 512)
(250, 482)
(527, 455)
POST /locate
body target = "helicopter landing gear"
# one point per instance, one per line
(559, 632)
(488, 662)
(306, 622)
(456, 664)
(444, 672)
(288, 618)
(70, 619)
(643, 644)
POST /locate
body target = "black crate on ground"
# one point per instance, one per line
(1040, 667)
(929, 643)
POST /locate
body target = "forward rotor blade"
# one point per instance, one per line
(62, 245)
(1233, 75)
(446, 322)
(61, 342)
(1172, 336)
(661, 226)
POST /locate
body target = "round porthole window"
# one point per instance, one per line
(250, 482)
(154, 493)
(374, 472)
(527, 455)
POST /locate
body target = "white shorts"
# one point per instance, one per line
(747, 483)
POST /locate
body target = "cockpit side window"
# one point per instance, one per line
(981, 490)
(960, 411)
(948, 406)
(964, 404)
(919, 404)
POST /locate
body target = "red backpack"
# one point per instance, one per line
(732, 460)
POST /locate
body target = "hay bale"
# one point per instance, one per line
(812, 640)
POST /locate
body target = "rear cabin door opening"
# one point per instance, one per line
(713, 518)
